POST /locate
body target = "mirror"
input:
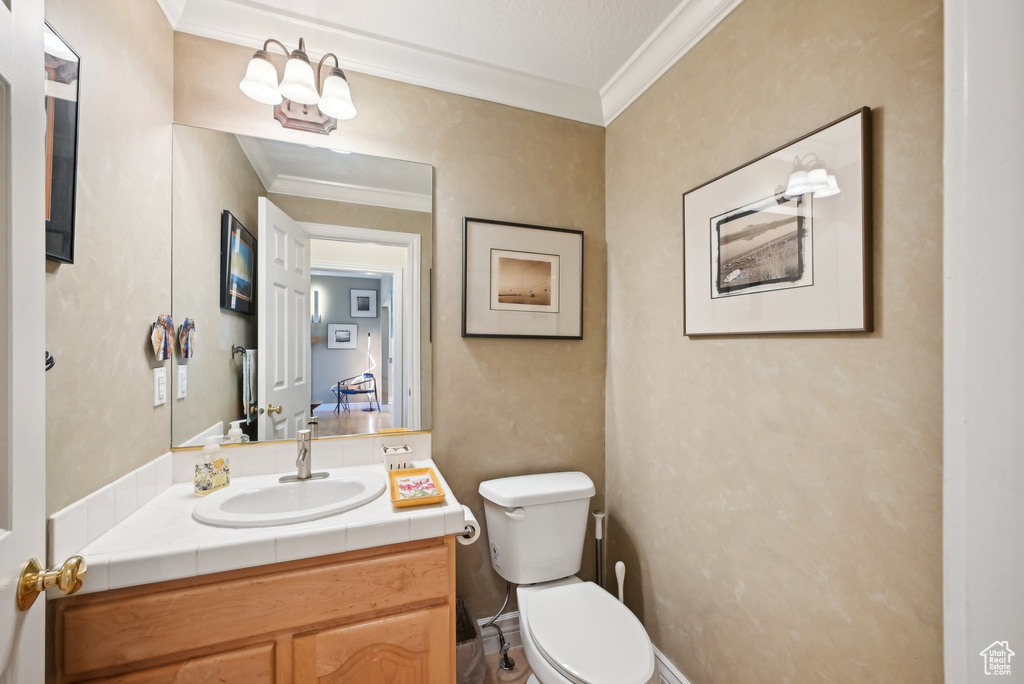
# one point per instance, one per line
(304, 273)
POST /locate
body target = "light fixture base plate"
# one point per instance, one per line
(306, 118)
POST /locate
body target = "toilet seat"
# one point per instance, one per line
(589, 637)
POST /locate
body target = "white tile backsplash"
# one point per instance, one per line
(69, 532)
(100, 511)
(145, 482)
(126, 496)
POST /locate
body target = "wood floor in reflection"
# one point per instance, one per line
(354, 422)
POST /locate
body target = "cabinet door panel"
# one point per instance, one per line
(251, 665)
(412, 648)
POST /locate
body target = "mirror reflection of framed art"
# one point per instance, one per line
(237, 266)
(521, 280)
(62, 94)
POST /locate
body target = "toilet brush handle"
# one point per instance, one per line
(620, 575)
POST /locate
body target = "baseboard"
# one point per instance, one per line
(509, 623)
(670, 674)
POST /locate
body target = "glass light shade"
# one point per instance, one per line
(818, 179)
(260, 82)
(832, 189)
(799, 184)
(298, 84)
(337, 98)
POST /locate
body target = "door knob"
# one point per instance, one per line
(271, 409)
(68, 579)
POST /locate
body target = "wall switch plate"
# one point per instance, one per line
(182, 381)
(159, 386)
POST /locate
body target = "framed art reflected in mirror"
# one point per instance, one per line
(237, 266)
(62, 66)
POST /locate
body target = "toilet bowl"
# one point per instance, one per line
(575, 632)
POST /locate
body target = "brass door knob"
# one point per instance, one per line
(68, 579)
(271, 409)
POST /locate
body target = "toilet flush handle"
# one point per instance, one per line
(516, 513)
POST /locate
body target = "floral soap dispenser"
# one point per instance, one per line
(213, 471)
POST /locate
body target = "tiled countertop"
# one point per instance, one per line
(161, 541)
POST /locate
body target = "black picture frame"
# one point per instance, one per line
(567, 311)
(238, 268)
(62, 107)
(853, 255)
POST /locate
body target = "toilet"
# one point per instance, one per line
(573, 632)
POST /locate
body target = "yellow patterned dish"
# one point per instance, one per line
(415, 487)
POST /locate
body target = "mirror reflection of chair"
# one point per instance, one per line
(364, 384)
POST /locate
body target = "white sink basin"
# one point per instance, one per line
(286, 503)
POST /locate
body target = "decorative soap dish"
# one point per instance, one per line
(415, 487)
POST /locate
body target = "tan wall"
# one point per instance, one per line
(99, 397)
(501, 407)
(310, 210)
(778, 499)
(211, 173)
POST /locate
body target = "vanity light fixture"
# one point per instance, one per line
(300, 100)
(817, 180)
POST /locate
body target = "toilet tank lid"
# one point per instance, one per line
(533, 490)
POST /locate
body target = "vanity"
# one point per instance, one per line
(350, 597)
(349, 617)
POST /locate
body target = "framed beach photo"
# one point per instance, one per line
(342, 335)
(237, 266)
(521, 280)
(782, 244)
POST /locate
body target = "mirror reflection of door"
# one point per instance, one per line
(282, 283)
(365, 221)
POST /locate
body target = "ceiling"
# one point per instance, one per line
(309, 171)
(581, 59)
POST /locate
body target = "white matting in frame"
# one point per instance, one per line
(521, 280)
(757, 260)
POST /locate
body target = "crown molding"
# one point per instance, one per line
(251, 24)
(684, 28)
(353, 194)
(173, 9)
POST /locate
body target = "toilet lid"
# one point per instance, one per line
(589, 636)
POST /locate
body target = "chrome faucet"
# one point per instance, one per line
(304, 462)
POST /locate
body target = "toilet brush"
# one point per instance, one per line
(620, 575)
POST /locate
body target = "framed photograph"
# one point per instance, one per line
(520, 280)
(237, 266)
(342, 335)
(62, 66)
(364, 303)
(782, 244)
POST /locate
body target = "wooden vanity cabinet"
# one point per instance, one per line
(376, 615)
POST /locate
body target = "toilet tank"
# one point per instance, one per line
(536, 524)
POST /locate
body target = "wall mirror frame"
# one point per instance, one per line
(344, 247)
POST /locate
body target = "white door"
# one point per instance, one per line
(282, 302)
(22, 325)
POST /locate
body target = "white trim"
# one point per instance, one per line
(354, 194)
(407, 313)
(251, 25)
(509, 624)
(684, 28)
(173, 9)
(668, 672)
(283, 184)
(215, 430)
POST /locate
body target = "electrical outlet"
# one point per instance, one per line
(182, 381)
(159, 386)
